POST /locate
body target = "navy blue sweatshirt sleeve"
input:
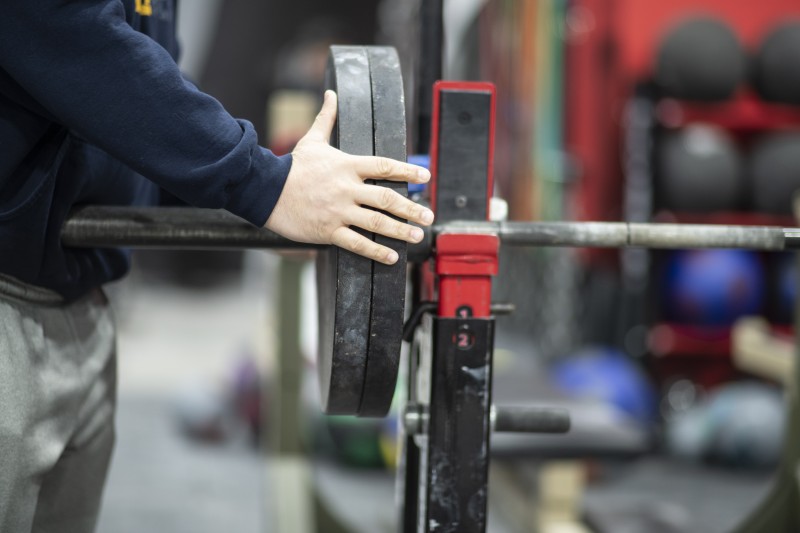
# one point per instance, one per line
(123, 92)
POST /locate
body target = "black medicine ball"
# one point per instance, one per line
(776, 65)
(700, 59)
(775, 172)
(699, 170)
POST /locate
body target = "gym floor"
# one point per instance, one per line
(173, 339)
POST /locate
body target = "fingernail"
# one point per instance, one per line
(392, 257)
(423, 174)
(417, 234)
(427, 217)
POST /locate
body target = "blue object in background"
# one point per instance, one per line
(712, 287)
(422, 160)
(787, 288)
(608, 375)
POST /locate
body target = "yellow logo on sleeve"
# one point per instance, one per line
(144, 7)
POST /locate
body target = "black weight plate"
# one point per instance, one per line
(388, 282)
(344, 279)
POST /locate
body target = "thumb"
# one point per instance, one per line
(323, 124)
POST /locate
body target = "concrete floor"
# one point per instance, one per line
(160, 481)
(174, 340)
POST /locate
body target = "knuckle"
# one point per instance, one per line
(406, 210)
(376, 221)
(383, 167)
(357, 245)
(403, 230)
(386, 198)
(377, 252)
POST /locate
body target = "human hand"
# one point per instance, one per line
(325, 191)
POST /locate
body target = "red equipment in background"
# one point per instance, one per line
(611, 51)
(611, 47)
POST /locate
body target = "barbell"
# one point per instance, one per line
(361, 303)
(182, 228)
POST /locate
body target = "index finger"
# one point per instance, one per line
(383, 168)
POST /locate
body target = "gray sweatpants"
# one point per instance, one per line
(57, 402)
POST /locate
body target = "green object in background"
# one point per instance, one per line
(360, 442)
(548, 141)
(356, 440)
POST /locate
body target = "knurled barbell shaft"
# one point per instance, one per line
(166, 227)
(190, 228)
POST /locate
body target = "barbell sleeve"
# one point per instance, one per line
(503, 419)
(624, 234)
(519, 419)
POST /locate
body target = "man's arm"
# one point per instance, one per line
(123, 92)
